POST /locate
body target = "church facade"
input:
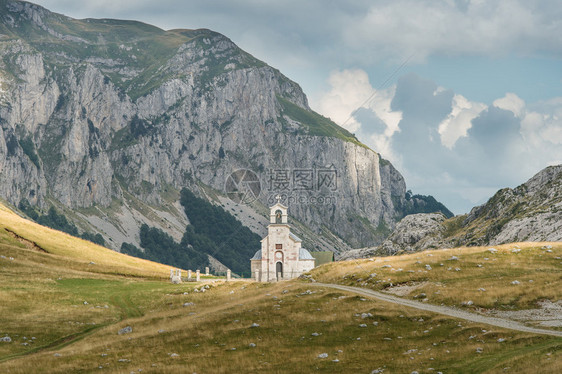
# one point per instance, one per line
(281, 255)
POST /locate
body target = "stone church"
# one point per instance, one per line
(281, 255)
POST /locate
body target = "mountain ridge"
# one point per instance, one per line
(109, 127)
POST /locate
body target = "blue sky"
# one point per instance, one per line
(466, 95)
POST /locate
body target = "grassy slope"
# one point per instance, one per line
(76, 254)
(43, 297)
(538, 271)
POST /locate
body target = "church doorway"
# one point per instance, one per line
(279, 270)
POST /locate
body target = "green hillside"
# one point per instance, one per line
(62, 311)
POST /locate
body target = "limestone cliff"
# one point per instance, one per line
(109, 119)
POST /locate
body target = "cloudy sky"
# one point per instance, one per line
(463, 96)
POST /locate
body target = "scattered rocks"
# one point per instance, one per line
(323, 355)
(57, 355)
(188, 304)
(316, 334)
(515, 282)
(492, 250)
(428, 267)
(174, 355)
(252, 345)
(479, 350)
(6, 339)
(366, 315)
(454, 258)
(125, 330)
(468, 303)
(254, 325)
(516, 250)
(501, 340)
(362, 325)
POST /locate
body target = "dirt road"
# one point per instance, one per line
(449, 311)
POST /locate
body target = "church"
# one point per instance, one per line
(281, 255)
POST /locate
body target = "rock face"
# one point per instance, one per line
(530, 212)
(415, 232)
(109, 119)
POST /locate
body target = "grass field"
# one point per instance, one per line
(63, 315)
(508, 277)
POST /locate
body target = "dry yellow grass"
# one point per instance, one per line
(515, 276)
(43, 297)
(77, 252)
(201, 338)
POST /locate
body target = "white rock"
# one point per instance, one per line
(125, 330)
(515, 282)
(323, 355)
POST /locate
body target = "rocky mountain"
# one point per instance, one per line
(108, 120)
(529, 212)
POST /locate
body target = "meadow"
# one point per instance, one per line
(63, 314)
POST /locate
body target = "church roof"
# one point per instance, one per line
(294, 237)
(305, 255)
(257, 256)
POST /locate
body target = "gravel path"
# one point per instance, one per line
(449, 311)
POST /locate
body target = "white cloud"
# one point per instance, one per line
(380, 103)
(402, 27)
(459, 120)
(351, 90)
(511, 102)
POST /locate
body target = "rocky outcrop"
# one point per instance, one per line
(109, 126)
(415, 232)
(531, 212)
